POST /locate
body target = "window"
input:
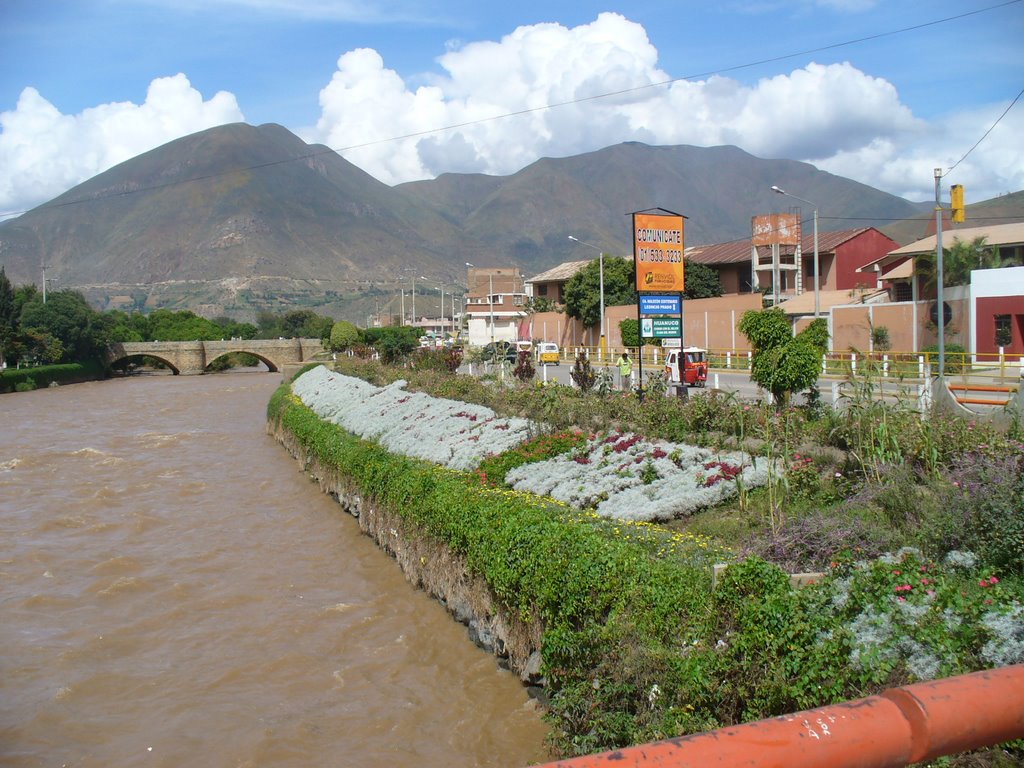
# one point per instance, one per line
(902, 292)
(518, 299)
(1004, 331)
(542, 289)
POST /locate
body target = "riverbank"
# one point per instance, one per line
(428, 564)
(19, 379)
(633, 643)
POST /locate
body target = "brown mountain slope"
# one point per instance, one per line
(239, 218)
(231, 202)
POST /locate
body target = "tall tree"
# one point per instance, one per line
(6, 299)
(783, 363)
(583, 290)
(67, 317)
(702, 281)
(958, 261)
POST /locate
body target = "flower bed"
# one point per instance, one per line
(623, 477)
(446, 432)
(628, 478)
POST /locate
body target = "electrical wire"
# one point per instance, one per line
(985, 136)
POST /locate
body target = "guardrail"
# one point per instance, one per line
(896, 728)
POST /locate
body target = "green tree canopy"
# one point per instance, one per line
(958, 261)
(343, 335)
(782, 363)
(183, 325)
(6, 300)
(67, 317)
(583, 290)
(702, 281)
(393, 342)
(7, 317)
(295, 324)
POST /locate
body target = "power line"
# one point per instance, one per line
(544, 107)
(998, 120)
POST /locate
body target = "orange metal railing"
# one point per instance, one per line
(896, 728)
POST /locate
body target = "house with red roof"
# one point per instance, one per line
(745, 268)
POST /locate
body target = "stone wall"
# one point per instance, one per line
(433, 567)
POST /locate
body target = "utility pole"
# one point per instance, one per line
(940, 313)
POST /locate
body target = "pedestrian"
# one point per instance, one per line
(625, 371)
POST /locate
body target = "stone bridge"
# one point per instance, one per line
(191, 357)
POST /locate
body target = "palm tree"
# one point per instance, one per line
(959, 260)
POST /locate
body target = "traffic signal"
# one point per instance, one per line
(956, 199)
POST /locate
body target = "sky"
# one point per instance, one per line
(880, 91)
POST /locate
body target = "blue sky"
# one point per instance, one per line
(85, 84)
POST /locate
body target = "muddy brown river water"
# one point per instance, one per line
(174, 591)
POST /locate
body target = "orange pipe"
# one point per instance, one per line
(980, 401)
(894, 729)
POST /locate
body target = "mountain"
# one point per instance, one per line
(999, 210)
(239, 218)
(530, 214)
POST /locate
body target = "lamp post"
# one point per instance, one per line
(817, 298)
(600, 269)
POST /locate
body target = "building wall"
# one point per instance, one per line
(708, 323)
(997, 292)
(479, 330)
(855, 253)
(909, 324)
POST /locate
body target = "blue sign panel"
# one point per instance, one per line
(659, 304)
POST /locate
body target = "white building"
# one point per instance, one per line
(495, 304)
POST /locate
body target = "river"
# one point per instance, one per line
(175, 591)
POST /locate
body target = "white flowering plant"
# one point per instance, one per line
(626, 477)
(447, 432)
(621, 476)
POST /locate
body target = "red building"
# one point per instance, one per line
(840, 254)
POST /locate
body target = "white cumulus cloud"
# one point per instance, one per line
(44, 152)
(833, 115)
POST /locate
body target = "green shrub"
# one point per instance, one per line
(636, 646)
(956, 357)
(44, 375)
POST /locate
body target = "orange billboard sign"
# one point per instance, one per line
(658, 251)
(772, 228)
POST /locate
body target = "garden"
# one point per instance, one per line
(600, 517)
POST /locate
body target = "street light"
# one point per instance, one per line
(600, 269)
(817, 298)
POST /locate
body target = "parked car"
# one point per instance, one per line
(547, 353)
(500, 350)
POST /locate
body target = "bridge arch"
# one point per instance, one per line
(271, 365)
(139, 356)
(192, 357)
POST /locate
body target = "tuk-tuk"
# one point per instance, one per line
(694, 366)
(547, 353)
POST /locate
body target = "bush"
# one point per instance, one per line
(990, 498)
(583, 374)
(956, 357)
(524, 370)
(44, 375)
